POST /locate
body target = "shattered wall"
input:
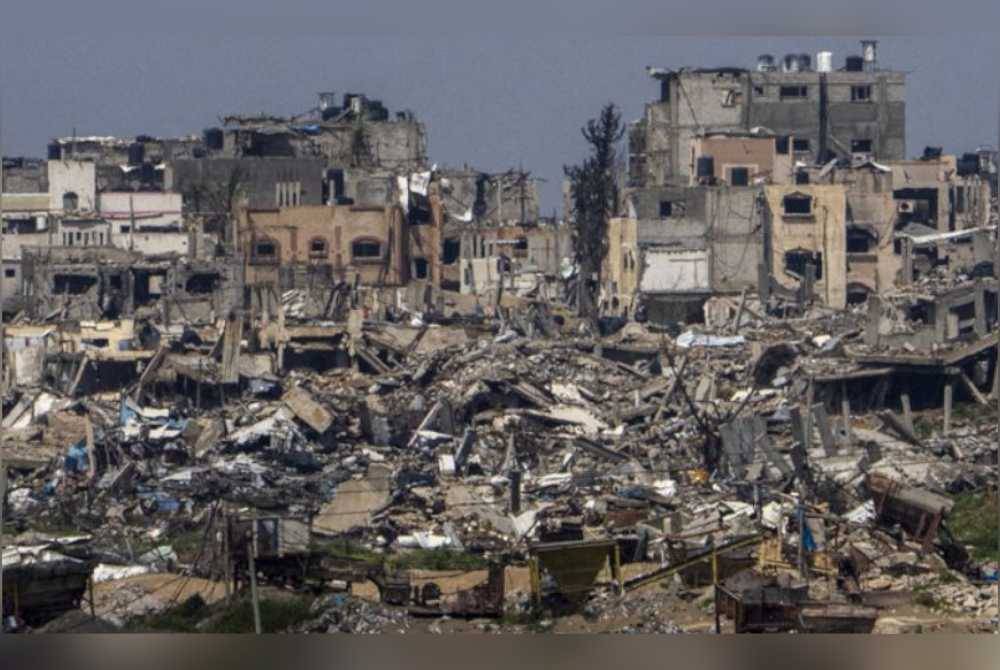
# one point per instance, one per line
(89, 283)
(817, 236)
(724, 221)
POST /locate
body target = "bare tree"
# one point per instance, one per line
(594, 193)
(216, 198)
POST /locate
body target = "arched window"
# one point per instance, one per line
(318, 248)
(366, 249)
(71, 201)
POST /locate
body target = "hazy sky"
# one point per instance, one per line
(491, 101)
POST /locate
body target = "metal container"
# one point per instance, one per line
(765, 63)
(854, 64)
(790, 63)
(805, 62)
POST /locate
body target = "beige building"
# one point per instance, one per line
(621, 270)
(742, 159)
(377, 246)
(806, 224)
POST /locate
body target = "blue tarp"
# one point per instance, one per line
(76, 458)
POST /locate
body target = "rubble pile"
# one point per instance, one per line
(454, 444)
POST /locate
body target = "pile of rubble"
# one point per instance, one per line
(463, 437)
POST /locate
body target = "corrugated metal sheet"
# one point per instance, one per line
(673, 271)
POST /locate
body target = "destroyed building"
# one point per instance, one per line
(95, 282)
(681, 245)
(126, 163)
(358, 133)
(858, 109)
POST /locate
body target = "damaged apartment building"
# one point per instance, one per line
(826, 206)
(859, 108)
(74, 211)
(94, 282)
(321, 245)
(494, 234)
(865, 227)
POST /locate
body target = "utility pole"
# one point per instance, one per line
(131, 224)
(251, 550)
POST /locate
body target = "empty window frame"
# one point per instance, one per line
(960, 200)
(366, 250)
(666, 209)
(861, 146)
(797, 92)
(860, 241)
(739, 176)
(265, 251)
(318, 248)
(71, 201)
(800, 145)
(10, 273)
(861, 93)
(797, 204)
(796, 261)
(451, 248)
(421, 268)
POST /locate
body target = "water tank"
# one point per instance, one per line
(55, 151)
(705, 168)
(868, 54)
(214, 138)
(824, 61)
(327, 99)
(805, 62)
(765, 63)
(854, 64)
(790, 63)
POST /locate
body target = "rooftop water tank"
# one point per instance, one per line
(824, 61)
(805, 62)
(790, 63)
(868, 54)
(765, 63)
(854, 64)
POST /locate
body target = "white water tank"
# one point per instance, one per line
(868, 52)
(824, 61)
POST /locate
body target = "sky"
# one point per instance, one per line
(490, 100)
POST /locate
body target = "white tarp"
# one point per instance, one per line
(675, 270)
(423, 540)
(111, 573)
(419, 181)
(692, 339)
